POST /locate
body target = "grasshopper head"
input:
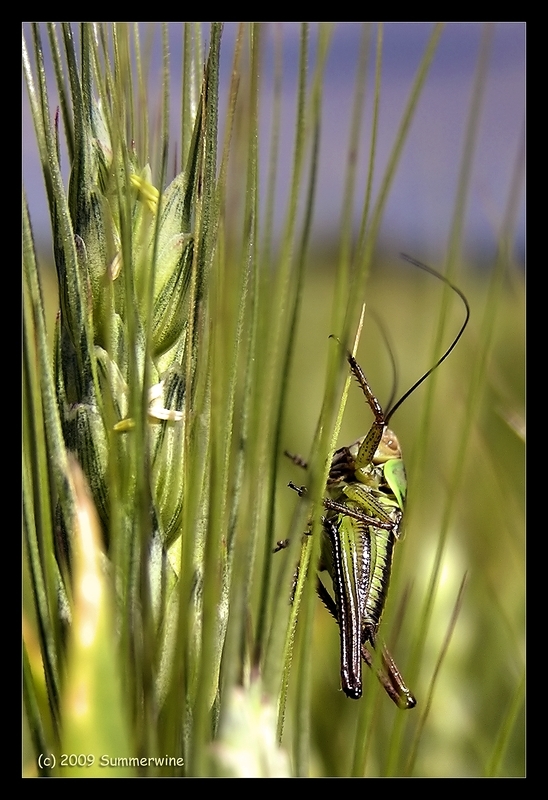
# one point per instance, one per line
(388, 458)
(389, 447)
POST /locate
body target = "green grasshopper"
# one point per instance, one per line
(366, 490)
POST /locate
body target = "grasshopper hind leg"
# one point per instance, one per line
(390, 678)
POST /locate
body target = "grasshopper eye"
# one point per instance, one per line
(389, 447)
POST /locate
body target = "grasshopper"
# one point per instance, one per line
(364, 510)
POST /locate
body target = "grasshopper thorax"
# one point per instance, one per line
(384, 474)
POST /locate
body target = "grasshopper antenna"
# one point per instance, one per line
(384, 333)
(457, 291)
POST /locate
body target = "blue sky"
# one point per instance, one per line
(420, 207)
